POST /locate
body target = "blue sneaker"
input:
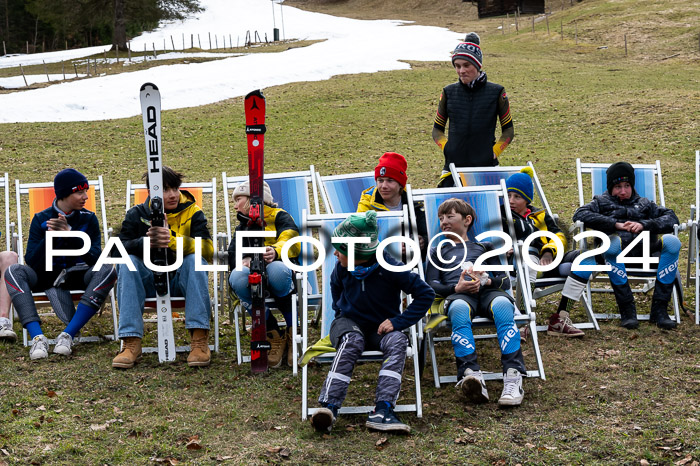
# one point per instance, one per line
(324, 418)
(385, 419)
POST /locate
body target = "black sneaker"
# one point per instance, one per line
(385, 419)
(324, 418)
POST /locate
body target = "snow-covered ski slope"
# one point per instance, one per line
(350, 46)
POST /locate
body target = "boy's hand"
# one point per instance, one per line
(160, 237)
(468, 283)
(269, 255)
(58, 224)
(546, 258)
(385, 327)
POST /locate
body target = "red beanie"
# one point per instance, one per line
(392, 165)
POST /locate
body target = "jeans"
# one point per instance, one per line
(134, 287)
(279, 278)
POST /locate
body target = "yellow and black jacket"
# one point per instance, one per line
(536, 219)
(186, 221)
(276, 220)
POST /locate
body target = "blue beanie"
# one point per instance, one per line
(521, 184)
(69, 181)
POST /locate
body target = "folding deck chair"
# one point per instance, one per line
(648, 183)
(693, 249)
(486, 201)
(341, 193)
(40, 196)
(543, 286)
(390, 224)
(9, 227)
(137, 194)
(291, 191)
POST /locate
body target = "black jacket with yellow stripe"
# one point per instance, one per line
(276, 220)
(186, 221)
(536, 220)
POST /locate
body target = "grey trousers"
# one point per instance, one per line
(349, 341)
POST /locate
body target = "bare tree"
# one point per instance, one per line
(119, 34)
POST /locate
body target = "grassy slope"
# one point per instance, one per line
(606, 398)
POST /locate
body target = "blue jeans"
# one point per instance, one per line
(134, 287)
(279, 278)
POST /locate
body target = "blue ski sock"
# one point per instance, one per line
(82, 314)
(462, 335)
(506, 330)
(34, 329)
(668, 260)
(382, 405)
(618, 274)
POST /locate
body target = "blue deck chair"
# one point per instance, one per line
(486, 201)
(341, 193)
(390, 224)
(648, 183)
(484, 176)
(291, 191)
(693, 249)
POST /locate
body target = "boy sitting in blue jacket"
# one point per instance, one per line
(367, 303)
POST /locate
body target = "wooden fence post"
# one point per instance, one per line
(63, 69)
(46, 72)
(23, 76)
(173, 42)
(75, 67)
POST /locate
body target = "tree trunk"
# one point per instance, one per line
(119, 33)
(7, 24)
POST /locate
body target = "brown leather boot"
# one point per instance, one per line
(200, 355)
(279, 345)
(290, 348)
(129, 355)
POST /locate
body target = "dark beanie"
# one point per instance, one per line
(69, 181)
(619, 172)
(469, 50)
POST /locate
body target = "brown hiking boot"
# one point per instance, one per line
(129, 355)
(290, 348)
(200, 355)
(560, 325)
(276, 353)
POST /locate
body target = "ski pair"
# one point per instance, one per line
(255, 131)
(150, 110)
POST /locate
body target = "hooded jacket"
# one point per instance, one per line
(277, 220)
(186, 221)
(605, 210)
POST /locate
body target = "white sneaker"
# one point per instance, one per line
(64, 342)
(40, 347)
(473, 386)
(512, 389)
(6, 332)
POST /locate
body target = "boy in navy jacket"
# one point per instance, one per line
(367, 302)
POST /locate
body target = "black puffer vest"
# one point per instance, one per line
(472, 114)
